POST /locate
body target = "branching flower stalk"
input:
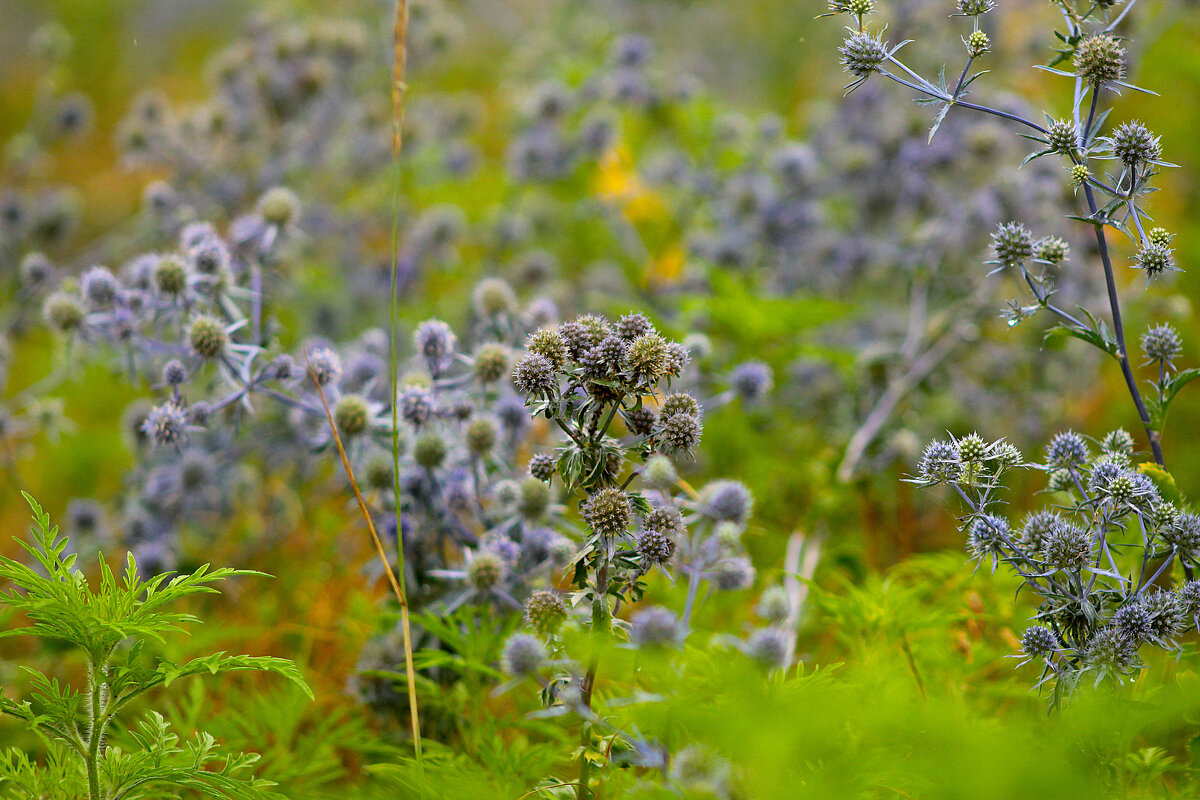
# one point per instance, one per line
(1099, 62)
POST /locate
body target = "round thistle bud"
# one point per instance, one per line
(1161, 343)
(35, 270)
(63, 312)
(547, 342)
(1038, 641)
(631, 326)
(986, 536)
(1189, 598)
(523, 655)
(1133, 143)
(608, 513)
(166, 424)
(1037, 527)
(1080, 174)
(1067, 547)
(493, 298)
(1134, 621)
(534, 376)
(655, 547)
(751, 380)
(605, 359)
(481, 435)
(659, 473)
(325, 366)
(1007, 455)
(542, 466)
(352, 415)
(485, 569)
(98, 286)
(208, 337)
(199, 412)
(654, 627)
(534, 499)
(770, 647)
(978, 44)
(1051, 249)
(1111, 653)
(490, 363)
(726, 500)
(646, 358)
(676, 359)
(1183, 535)
(378, 473)
(940, 462)
(170, 276)
(679, 434)
(584, 333)
(545, 612)
(862, 54)
(174, 372)
(1163, 515)
(975, 8)
(972, 448)
(1062, 137)
(1060, 480)
(436, 342)
(680, 403)
(1100, 59)
(279, 206)
(665, 518)
(429, 450)
(733, 574)
(775, 606)
(641, 421)
(1067, 450)
(416, 405)
(1012, 243)
(1160, 236)
(1118, 441)
(1155, 259)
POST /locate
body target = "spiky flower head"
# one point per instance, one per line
(485, 569)
(1080, 174)
(770, 647)
(978, 44)
(436, 342)
(1051, 250)
(1006, 454)
(862, 53)
(174, 372)
(1067, 450)
(545, 612)
(631, 326)
(1012, 243)
(1038, 641)
(1062, 137)
(325, 366)
(490, 363)
(279, 206)
(1133, 143)
(940, 462)
(679, 434)
(1183, 536)
(63, 312)
(166, 424)
(1100, 59)
(523, 655)
(1159, 236)
(733, 574)
(654, 627)
(208, 337)
(775, 606)
(542, 466)
(665, 518)
(547, 342)
(1155, 259)
(645, 359)
(972, 448)
(1037, 527)
(727, 501)
(99, 286)
(1111, 653)
(986, 536)
(859, 8)
(170, 275)
(751, 380)
(1117, 442)
(534, 376)
(534, 499)
(659, 473)
(481, 435)
(975, 8)
(493, 298)
(1161, 343)
(35, 269)
(352, 414)
(655, 546)
(429, 450)
(677, 357)
(1067, 547)
(608, 512)
(641, 421)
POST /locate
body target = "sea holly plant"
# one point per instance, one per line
(91, 752)
(1112, 167)
(1098, 557)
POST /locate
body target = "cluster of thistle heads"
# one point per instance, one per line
(1099, 557)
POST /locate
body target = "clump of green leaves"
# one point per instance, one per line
(90, 752)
